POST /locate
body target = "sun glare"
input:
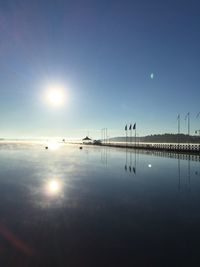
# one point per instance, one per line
(53, 187)
(56, 96)
(53, 145)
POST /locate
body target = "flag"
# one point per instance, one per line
(134, 126)
(130, 126)
(178, 118)
(126, 127)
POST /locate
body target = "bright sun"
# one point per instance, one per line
(55, 96)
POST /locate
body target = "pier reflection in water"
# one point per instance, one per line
(184, 177)
(98, 206)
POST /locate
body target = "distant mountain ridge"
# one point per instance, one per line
(160, 138)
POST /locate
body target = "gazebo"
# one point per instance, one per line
(86, 140)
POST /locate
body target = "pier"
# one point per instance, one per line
(169, 147)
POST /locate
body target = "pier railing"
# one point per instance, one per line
(173, 147)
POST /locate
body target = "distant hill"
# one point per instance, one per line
(161, 138)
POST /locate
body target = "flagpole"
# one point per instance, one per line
(188, 123)
(135, 136)
(131, 136)
(178, 130)
(188, 128)
(126, 134)
(179, 125)
(130, 129)
(134, 128)
(188, 118)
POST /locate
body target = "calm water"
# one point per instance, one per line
(97, 207)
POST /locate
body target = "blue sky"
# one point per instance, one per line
(103, 53)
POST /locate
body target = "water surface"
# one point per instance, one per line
(97, 206)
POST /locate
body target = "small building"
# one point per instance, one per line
(87, 140)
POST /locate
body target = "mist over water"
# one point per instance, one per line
(98, 206)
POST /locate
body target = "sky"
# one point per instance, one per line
(118, 62)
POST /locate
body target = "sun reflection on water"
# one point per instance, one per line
(54, 187)
(53, 145)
